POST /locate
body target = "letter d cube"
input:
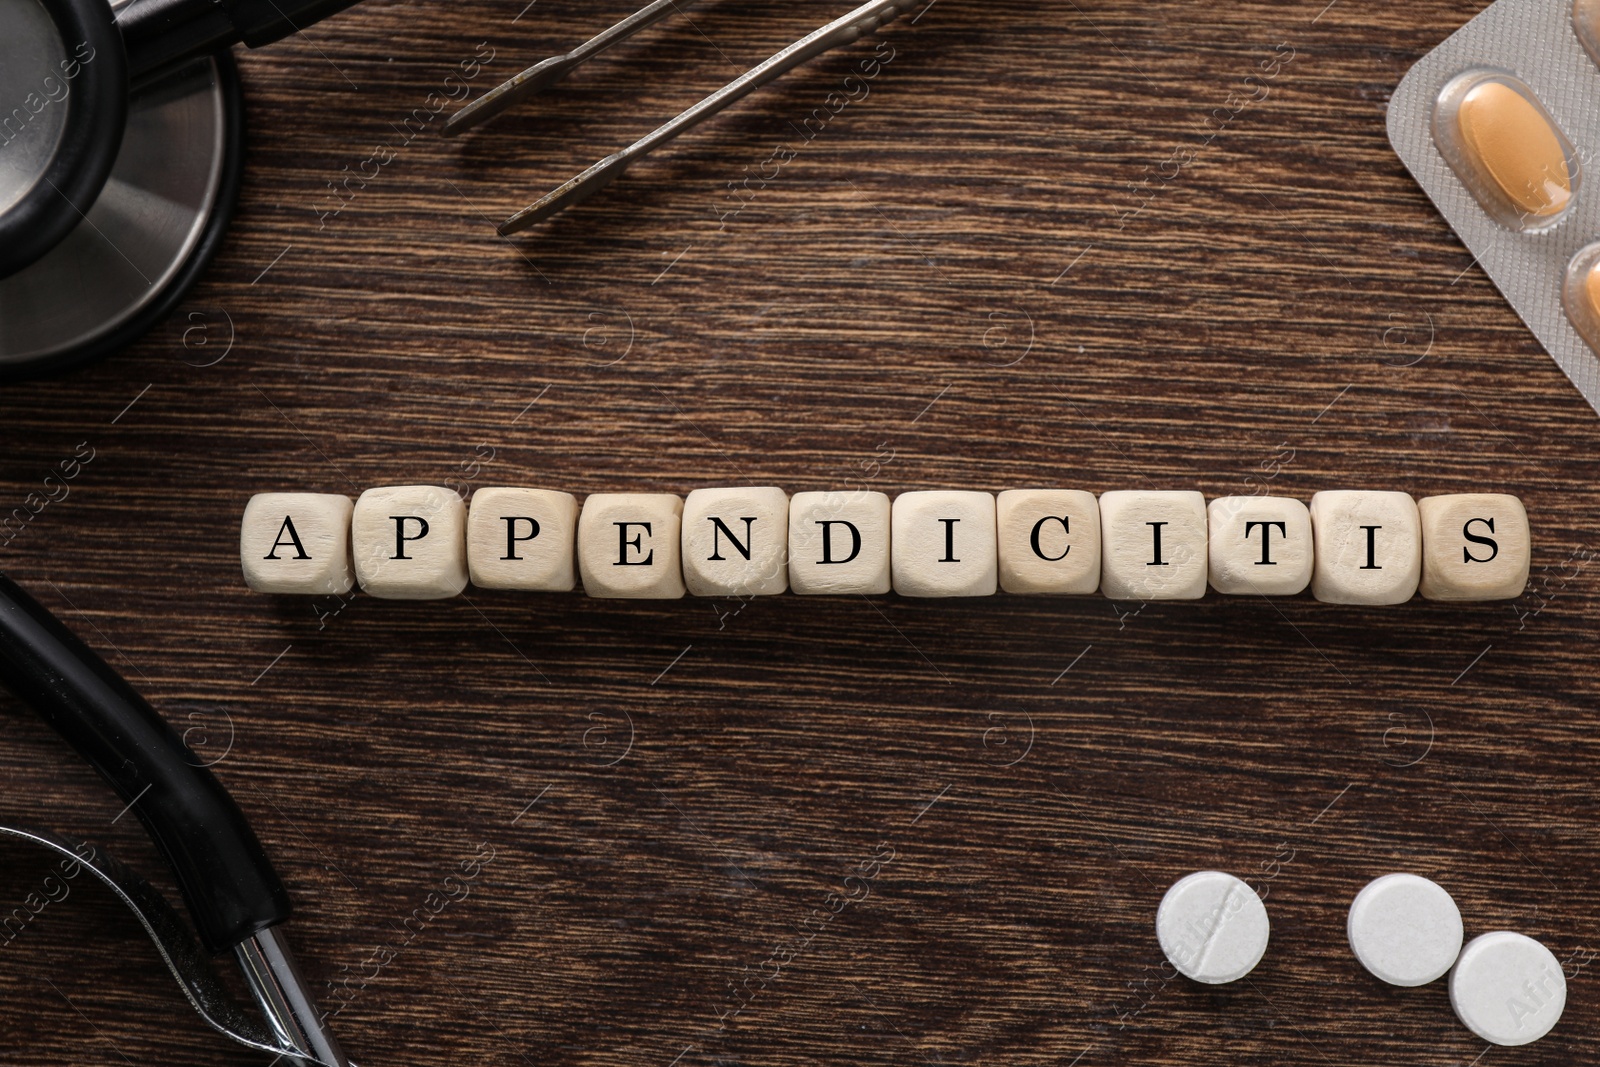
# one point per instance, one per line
(839, 543)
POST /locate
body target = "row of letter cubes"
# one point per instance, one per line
(1351, 547)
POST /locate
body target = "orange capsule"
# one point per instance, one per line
(1586, 24)
(1506, 149)
(1580, 294)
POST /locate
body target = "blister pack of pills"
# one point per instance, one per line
(1499, 125)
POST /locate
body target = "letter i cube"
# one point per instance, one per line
(1153, 545)
(943, 544)
(1368, 547)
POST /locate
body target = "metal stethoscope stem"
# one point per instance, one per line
(285, 1001)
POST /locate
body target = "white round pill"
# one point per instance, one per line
(1508, 989)
(1212, 927)
(1405, 929)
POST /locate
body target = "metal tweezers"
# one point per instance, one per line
(842, 31)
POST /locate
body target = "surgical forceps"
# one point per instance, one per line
(842, 31)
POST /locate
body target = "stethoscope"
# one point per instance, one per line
(237, 905)
(121, 125)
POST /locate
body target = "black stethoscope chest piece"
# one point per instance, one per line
(111, 203)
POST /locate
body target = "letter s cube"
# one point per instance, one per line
(1475, 546)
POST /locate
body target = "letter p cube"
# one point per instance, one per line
(410, 542)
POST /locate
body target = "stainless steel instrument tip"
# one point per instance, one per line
(845, 30)
(539, 77)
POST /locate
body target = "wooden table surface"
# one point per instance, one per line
(1037, 247)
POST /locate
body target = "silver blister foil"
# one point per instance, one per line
(1535, 41)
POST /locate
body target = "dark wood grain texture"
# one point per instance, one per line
(671, 792)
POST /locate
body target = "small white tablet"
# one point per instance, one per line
(1212, 927)
(1508, 989)
(1405, 929)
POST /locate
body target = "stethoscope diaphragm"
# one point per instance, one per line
(113, 264)
(63, 102)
